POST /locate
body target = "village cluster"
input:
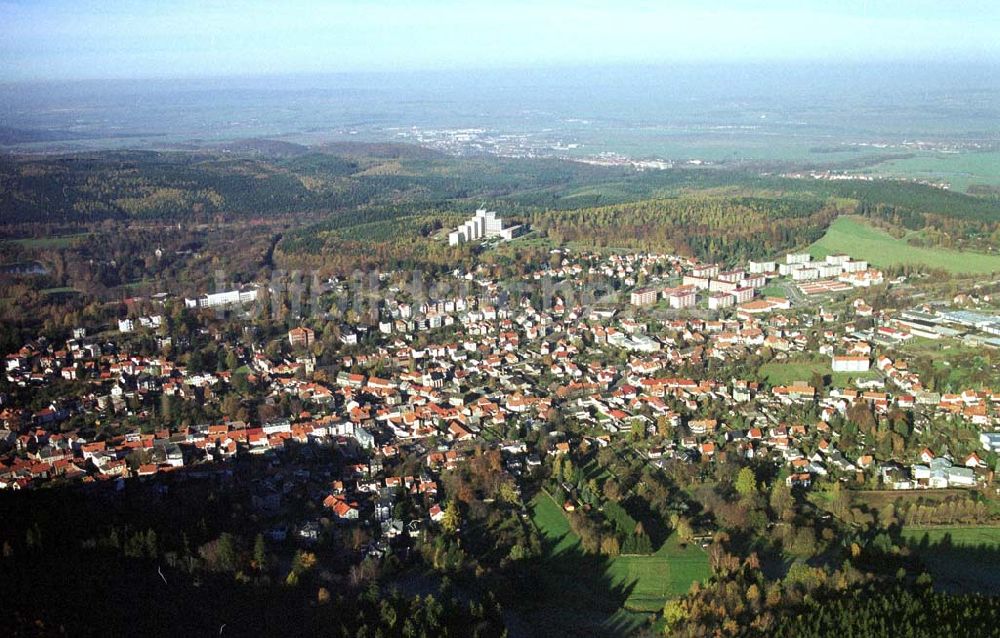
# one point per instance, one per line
(434, 379)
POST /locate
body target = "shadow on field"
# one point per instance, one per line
(959, 567)
(569, 592)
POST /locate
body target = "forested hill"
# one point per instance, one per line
(712, 228)
(361, 201)
(260, 179)
(196, 186)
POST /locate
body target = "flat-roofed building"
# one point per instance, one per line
(742, 295)
(483, 225)
(828, 270)
(804, 274)
(732, 275)
(850, 363)
(701, 283)
(681, 297)
(757, 267)
(718, 285)
(705, 270)
(644, 297)
(719, 300)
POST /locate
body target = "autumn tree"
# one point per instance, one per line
(452, 518)
(746, 483)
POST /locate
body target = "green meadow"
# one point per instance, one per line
(961, 170)
(860, 240)
(787, 372)
(959, 559)
(651, 579)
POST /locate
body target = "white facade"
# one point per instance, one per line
(743, 294)
(701, 283)
(828, 270)
(850, 364)
(705, 270)
(511, 232)
(718, 285)
(681, 298)
(483, 225)
(220, 299)
(757, 267)
(804, 274)
(720, 300)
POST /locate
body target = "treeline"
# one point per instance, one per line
(890, 611)
(937, 229)
(483, 532)
(824, 601)
(312, 239)
(197, 186)
(118, 260)
(709, 227)
(919, 198)
(176, 185)
(126, 185)
(948, 511)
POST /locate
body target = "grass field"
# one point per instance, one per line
(785, 372)
(773, 291)
(976, 536)
(666, 574)
(650, 580)
(960, 559)
(862, 241)
(958, 169)
(549, 519)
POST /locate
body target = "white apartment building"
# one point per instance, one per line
(484, 225)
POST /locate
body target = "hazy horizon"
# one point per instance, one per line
(987, 70)
(817, 113)
(63, 40)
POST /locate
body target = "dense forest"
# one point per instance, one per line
(890, 610)
(199, 186)
(711, 228)
(176, 186)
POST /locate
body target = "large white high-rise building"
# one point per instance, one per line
(484, 225)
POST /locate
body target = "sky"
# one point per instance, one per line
(93, 39)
